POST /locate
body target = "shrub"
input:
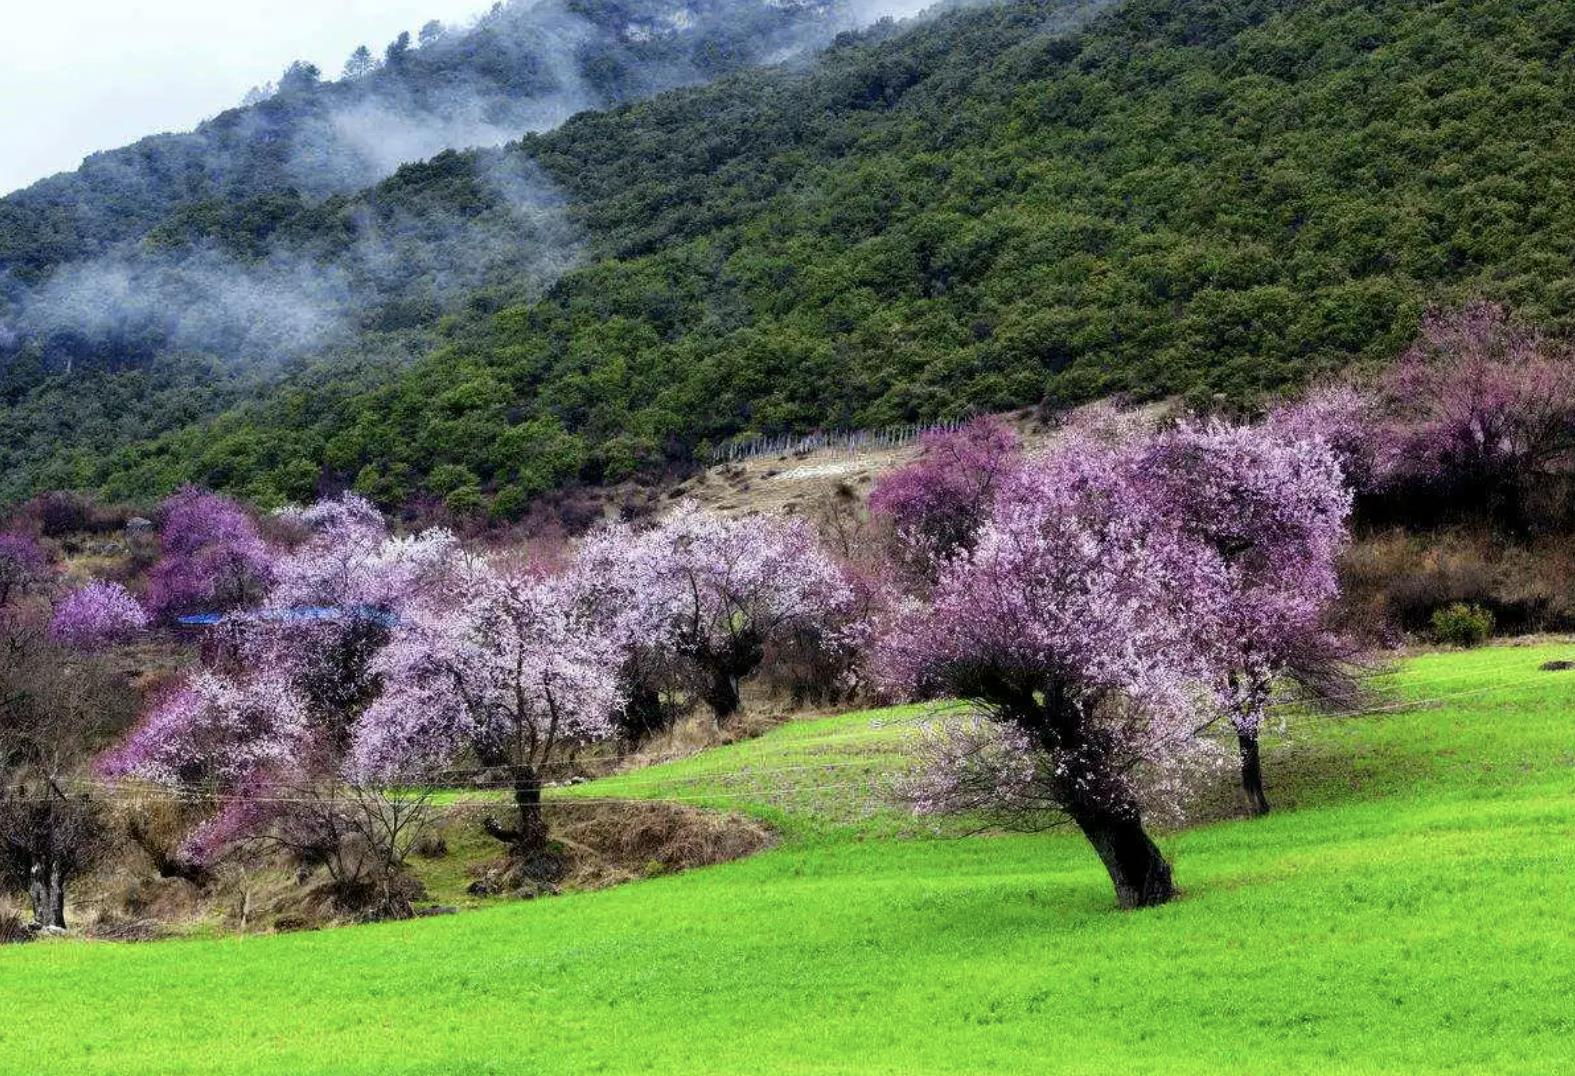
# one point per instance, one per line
(464, 501)
(1461, 624)
(13, 928)
(61, 513)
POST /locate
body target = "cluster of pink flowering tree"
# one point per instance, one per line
(713, 593)
(268, 720)
(936, 505)
(508, 671)
(1098, 607)
(1273, 511)
(339, 595)
(212, 556)
(1482, 408)
(1477, 416)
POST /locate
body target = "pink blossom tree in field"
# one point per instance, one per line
(1350, 422)
(97, 615)
(214, 734)
(1484, 408)
(22, 565)
(212, 556)
(937, 503)
(227, 740)
(1072, 623)
(1273, 511)
(509, 672)
(723, 589)
(611, 581)
(269, 722)
(339, 594)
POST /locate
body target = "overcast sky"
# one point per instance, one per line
(84, 75)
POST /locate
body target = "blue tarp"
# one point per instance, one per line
(293, 614)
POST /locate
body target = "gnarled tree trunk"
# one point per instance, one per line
(47, 892)
(644, 714)
(1136, 867)
(1252, 775)
(528, 843)
(721, 695)
(724, 668)
(1092, 791)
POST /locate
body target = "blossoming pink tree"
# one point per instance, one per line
(1350, 422)
(510, 672)
(1484, 409)
(22, 565)
(339, 593)
(1273, 510)
(610, 579)
(1072, 623)
(937, 504)
(722, 589)
(269, 720)
(97, 615)
(212, 556)
(218, 740)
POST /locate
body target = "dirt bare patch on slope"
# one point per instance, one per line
(607, 843)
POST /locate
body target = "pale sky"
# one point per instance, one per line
(83, 75)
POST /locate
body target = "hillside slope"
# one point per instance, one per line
(1406, 909)
(995, 208)
(524, 66)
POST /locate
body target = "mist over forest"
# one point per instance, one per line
(263, 233)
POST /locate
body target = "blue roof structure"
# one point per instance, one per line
(294, 614)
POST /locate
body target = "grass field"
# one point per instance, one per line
(1409, 906)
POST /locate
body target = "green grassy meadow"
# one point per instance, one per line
(1409, 906)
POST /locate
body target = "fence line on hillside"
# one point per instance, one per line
(851, 442)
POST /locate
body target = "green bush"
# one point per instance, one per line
(509, 504)
(465, 501)
(1463, 624)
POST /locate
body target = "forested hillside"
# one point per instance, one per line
(523, 66)
(995, 207)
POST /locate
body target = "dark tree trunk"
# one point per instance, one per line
(644, 715)
(1137, 869)
(725, 667)
(722, 694)
(531, 841)
(168, 864)
(1091, 791)
(529, 848)
(1252, 775)
(47, 892)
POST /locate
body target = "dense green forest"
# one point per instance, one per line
(999, 206)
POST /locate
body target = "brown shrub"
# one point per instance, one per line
(113, 926)
(612, 842)
(605, 844)
(13, 926)
(1396, 581)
